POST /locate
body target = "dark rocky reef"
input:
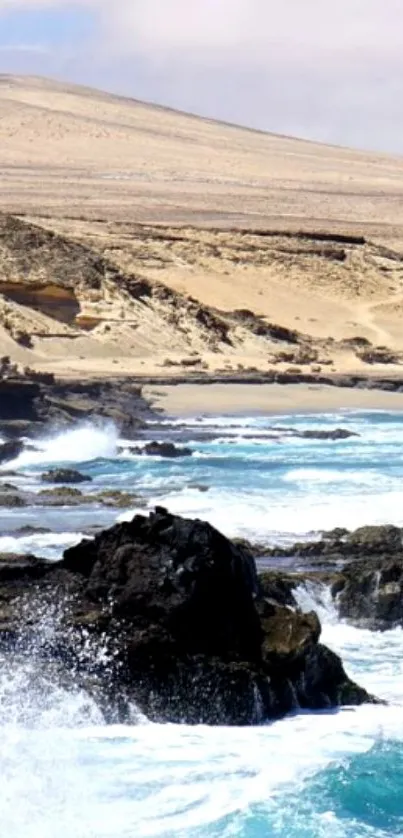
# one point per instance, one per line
(13, 497)
(64, 475)
(192, 634)
(369, 591)
(364, 569)
(30, 401)
(167, 450)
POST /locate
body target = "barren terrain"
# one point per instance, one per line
(136, 240)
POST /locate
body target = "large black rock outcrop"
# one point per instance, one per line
(167, 614)
(196, 637)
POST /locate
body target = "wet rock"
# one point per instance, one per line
(10, 450)
(162, 449)
(364, 569)
(28, 530)
(8, 487)
(189, 633)
(339, 546)
(61, 496)
(335, 434)
(373, 540)
(11, 501)
(370, 594)
(17, 568)
(64, 475)
(118, 499)
(199, 639)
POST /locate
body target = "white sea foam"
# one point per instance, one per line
(44, 545)
(277, 517)
(64, 773)
(375, 659)
(81, 444)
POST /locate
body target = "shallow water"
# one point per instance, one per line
(64, 773)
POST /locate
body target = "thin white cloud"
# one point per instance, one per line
(250, 27)
(330, 69)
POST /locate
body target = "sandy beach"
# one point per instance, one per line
(195, 399)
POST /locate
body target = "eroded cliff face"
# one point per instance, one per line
(160, 301)
(52, 300)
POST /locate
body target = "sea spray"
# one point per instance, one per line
(339, 774)
(373, 658)
(84, 443)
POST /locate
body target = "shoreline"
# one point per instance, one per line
(31, 401)
(231, 399)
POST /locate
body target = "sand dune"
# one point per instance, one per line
(153, 242)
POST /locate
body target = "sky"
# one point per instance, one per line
(330, 70)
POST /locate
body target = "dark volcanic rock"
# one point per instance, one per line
(184, 572)
(166, 449)
(29, 401)
(335, 434)
(162, 449)
(370, 593)
(10, 450)
(198, 639)
(17, 568)
(190, 632)
(364, 569)
(338, 547)
(64, 475)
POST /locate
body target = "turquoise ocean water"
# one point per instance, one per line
(64, 773)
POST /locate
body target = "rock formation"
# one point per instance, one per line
(192, 635)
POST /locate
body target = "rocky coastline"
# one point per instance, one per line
(165, 613)
(32, 402)
(169, 615)
(363, 568)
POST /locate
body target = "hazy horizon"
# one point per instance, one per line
(330, 74)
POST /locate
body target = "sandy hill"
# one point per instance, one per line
(138, 239)
(68, 150)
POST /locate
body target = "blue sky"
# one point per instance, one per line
(314, 68)
(47, 27)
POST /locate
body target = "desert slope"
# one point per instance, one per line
(138, 240)
(68, 150)
(103, 299)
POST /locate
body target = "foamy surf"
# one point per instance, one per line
(332, 774)
(45, 545)
(81, 444)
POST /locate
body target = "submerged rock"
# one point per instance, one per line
(11, 501)
(10, 450)
(162, 449)
(118, 499)
(65, 475)
(60, 496)
(335, 434)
